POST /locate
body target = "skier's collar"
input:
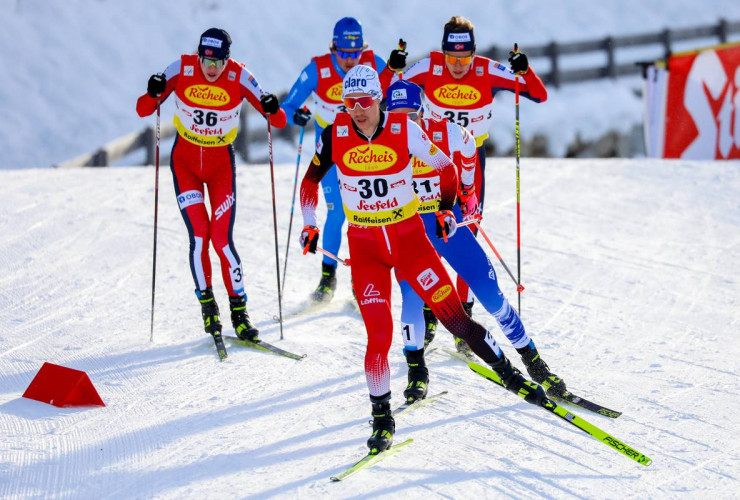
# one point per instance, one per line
(378, 130)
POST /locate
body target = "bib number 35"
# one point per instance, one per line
(462, 118)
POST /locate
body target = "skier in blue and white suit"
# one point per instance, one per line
(461, 250)
(323, 77)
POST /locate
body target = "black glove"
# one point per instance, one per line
(156, 85)
(301, 117)
(309, 239)
(518, 62)
(397, 60)
(446, 224)
(270, 104)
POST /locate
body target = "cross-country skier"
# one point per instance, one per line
(371, 150)
(462, 252)
(209, 87)
(322, 77)
(460, 86)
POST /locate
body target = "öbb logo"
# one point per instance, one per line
(370, 158)
(457, 95)
(334, 93)
(207, 95)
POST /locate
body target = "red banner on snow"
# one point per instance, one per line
(702, 111)
(692, 106)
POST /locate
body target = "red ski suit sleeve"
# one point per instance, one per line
(146, 104)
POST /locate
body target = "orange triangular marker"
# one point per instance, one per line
(63, 387)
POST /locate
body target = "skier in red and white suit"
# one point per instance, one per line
(460, 86)
(372, 150)
(209, 87)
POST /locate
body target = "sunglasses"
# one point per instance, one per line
(364, 102)
(414, 115)
(207, 61)
(352, 55)
(464, 61)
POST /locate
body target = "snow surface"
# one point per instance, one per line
(632, 292)
(70, 71)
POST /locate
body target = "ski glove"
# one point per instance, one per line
(309, 239)
(270, 104)
(518, 62)
(446, 225)
(468, 201)
(397, 60)
(301, 117)
(156, 85)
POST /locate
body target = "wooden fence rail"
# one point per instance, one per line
(556, 76)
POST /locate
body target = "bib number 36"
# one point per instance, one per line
(200, 117)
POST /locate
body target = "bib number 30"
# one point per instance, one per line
(378, 187)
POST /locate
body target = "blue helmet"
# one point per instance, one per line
(403, 94)
(347, 34)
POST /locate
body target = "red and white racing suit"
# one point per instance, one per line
(468, 101)
(207, 119)
(385, 230)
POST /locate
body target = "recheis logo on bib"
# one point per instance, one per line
(207, 95)
(334, 93)
(420, 168)
(370, 158)
(457, 95)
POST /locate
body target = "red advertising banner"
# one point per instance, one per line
(703, 105)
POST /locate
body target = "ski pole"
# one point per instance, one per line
(274, 220)
(519, 287)
(328, 254)
(518, 203)
(292, 205)
(156, 204)
(332, 256)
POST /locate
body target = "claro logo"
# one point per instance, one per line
(207, 95)
(457, 95)
(334, 93)
(370, 158)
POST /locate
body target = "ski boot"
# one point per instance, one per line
(418, 376)
(515, 382)
(209, 309)
(540, 372)
(383, 424)
(325, 291)
(430, 322)
(244, 328)
(463, 348)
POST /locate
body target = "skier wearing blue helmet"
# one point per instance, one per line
(322, 78)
